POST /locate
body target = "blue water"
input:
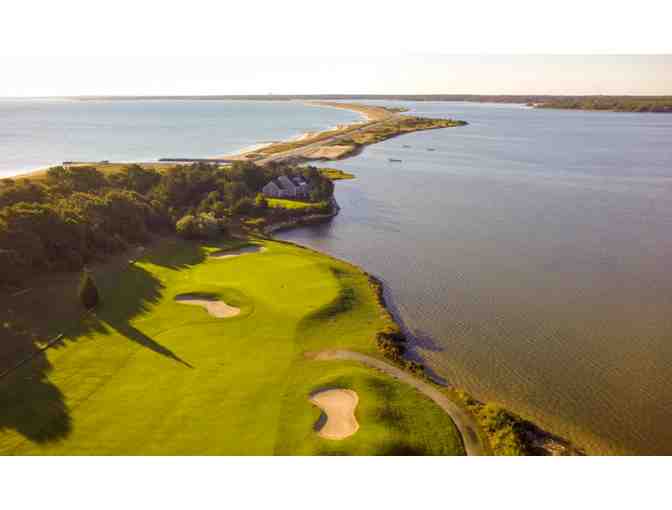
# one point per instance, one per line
(39, 133)
(530, 253)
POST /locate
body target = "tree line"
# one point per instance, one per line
(78, 214)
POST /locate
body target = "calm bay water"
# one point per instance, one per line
(529, 252)
(39, 133)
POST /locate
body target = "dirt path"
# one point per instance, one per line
(463, 421)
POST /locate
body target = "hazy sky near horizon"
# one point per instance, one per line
(412, 74)
(79, 47)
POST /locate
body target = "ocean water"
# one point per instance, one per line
(39, 133)
(529, 253)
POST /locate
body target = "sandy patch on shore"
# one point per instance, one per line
(338, 406)
(329, 152)
(306, 136)
(214, 307)
(225, 254)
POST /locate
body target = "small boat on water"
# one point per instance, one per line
(431, 149)
(406, 146)
(395, 160)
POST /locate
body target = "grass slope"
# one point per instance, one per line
(284, 203)
(147, 375)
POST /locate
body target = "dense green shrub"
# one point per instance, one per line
(503, 429)
(200, 226)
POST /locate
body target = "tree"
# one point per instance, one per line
(75, 178)
(200, 226)
(135, 178)
(187, 227)
(88, 292)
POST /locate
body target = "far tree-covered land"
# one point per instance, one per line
(610, 103)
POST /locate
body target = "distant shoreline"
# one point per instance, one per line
(380, 123)
(613, 103)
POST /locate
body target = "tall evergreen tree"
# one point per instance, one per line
(88, 292)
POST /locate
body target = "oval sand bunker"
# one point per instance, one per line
(214, 307)
(224, 254)
(339, 407)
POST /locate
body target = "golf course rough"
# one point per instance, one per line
(148, 375)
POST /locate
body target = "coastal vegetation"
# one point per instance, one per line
(78, 214)
(508, 434)
(395, 127)
(336, 175)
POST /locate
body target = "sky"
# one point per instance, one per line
(79, 47)
(430, 74)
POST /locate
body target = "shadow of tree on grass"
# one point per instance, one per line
(387, 413)
(137, 336)
(33, 406)
(30, 403)
(188, 254)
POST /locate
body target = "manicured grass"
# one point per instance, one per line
(290, 204)
(336, 175)
(148, 375)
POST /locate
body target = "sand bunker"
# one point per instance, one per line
(225, 254)
(339, 409)
(214, 307)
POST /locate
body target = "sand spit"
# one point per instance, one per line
(370, 112)
(338, 406)
(225, 254)
(214, 307)
(329, 152)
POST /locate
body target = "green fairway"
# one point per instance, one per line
(148, 375)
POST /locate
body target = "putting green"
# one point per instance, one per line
(148, 375)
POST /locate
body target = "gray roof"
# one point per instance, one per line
(286, 183)
(270, 186)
